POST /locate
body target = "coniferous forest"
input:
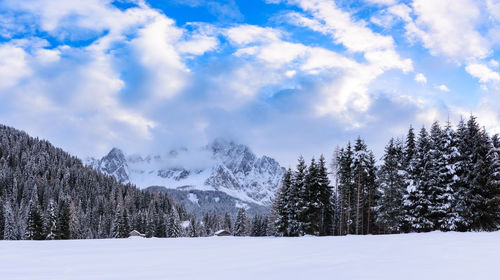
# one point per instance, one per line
(47, 194)
(444, 179)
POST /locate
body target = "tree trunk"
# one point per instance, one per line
(357, 206)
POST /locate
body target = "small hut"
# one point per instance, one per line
(222, 232)
(135, 233)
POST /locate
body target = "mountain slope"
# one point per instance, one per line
(222, 166)
(45, 193)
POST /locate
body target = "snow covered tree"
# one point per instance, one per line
(228, 225)
(51, 221)
(34, 228)
(242, 223)
(417, 199)
(282, 205)
(10, 229)
(173, 224)
(325, 199)
(392, 183)
(345, 189)
(2, 219)
(448, 179)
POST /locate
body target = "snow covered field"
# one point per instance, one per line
(410, 256)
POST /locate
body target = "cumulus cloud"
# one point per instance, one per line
(80, 88)
(482, 72)
(443, 88)
(420, 78)
(448, 28)
(347, 92)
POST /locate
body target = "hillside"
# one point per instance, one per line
(45, 193)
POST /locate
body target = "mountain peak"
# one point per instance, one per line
(230, 167)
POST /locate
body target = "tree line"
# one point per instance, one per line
(46, 194)
(443, 179)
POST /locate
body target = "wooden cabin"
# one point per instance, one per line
(222, 232)
(135, 233)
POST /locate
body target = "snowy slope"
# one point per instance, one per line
(458, 256)
(220, 166)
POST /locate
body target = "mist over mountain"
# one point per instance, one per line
(230, 169)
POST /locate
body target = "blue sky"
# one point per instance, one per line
(285, 77)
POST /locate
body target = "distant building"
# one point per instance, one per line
(222, 232)
(135, 233)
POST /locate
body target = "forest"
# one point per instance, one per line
(444, 179)
(45, 193)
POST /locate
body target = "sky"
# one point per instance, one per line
(287, 78)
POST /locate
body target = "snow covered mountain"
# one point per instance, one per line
(222, 166)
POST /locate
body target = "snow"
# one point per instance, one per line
(407, 256)
(193, 198)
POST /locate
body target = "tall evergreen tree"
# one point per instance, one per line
(392, 181)
(325, 199)
(51, 221)
(9, 230)
(417, 200)
(242, 223)
(448, 179)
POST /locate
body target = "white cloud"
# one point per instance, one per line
(79, 90)
(402, 11)
(246, 34)
(347, 92)
(493, 63)
(482, 72)
(448, 28)
(443, 88)
(13, 65)
(382, 2)
(420, 78)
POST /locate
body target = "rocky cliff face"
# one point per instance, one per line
(222, 165)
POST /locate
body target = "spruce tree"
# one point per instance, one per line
(417, 199)
(2, 219)
(325, 199)
(449, 180)
(10, 229)
(282, 205)
(242, 223)
(51, 221)
(311, 213)
(392, 181)
(299, 201)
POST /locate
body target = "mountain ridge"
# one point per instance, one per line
(221, 166)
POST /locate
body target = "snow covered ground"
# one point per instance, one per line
(410, 256)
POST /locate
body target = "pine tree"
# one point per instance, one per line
(228, 225)
(242, 223)
(173, 224)
(325, 199)
(51, 221)
(10, 231)
(118, 230)
(392, 182)
(34, 228)
(436, 185)
(346, 189)
(257, 226)
(298, 194)
(361, 167)
(282, 205)
(449, 180)
(2, 219)
(417, 199)
(311, 211)
(63, 220)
